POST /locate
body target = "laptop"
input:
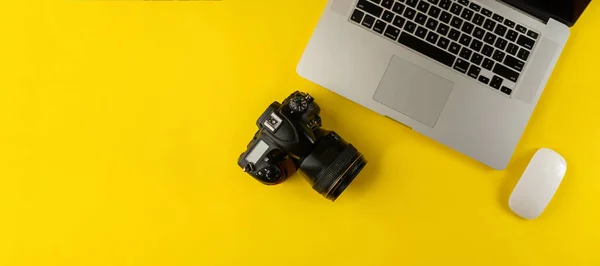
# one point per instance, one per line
(465, 73)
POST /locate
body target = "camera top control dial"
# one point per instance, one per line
(299, 103)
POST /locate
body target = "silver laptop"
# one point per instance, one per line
(465, 73)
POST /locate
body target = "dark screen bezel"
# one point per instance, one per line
(538, 12)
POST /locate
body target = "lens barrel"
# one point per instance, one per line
(332, 165)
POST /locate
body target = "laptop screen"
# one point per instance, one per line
(567, 11)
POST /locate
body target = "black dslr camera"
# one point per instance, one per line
(290, 137)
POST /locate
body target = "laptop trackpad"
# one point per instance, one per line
(413, 91)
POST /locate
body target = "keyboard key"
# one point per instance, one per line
(486, 12)
(399, 22)
(500, 30)
(521, 29)
(388, 16)
(410, 26)
(376, 1)
(489, 25)
(431, 24)
(512, 49)
(445, 4)
(498, 18)
(509, 23)
(523, 54)
(487, 64)
(370, 8)
(487, 50)
(474, 71)
(506, 72)
(423, 6)
(476, 59)
(434, 11)
(512, 35)
(454, 34)
(464, 2)
(532, 34)
(498, 55)
(443, 29)
(454, 48)
(456, 9)
(456, 22)
(445, 17)
(388, 4)
(435, 2)
(501, 43)
(421, 18)
(412, 3)
(392, 32)
(496, 82)
(506, 90)
(398, 8)
(525, 42)
(368, 21)
(409, 13)
(514, 63)
(357, 16)
(467, 27)
(478, 33)
(489, 38)
(432, 37)
(476, 45)
(421, 32)
(443, 43)
(478, 19)
(465, 40)
(461, 65)
(465, 53)
(475, 7)
(484, 80)
(379, 26)
(427, 49)
(467, 14)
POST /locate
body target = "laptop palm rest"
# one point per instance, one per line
(528, 90)
(413, 91)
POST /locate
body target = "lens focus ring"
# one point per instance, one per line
(329, 176)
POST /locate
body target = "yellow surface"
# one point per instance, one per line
(118, 147)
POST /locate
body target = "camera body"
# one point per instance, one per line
(290, 137)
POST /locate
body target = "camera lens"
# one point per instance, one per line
(332, 165)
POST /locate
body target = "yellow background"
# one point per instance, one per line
(121, 123)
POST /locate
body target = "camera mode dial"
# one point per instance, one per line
(299, 103)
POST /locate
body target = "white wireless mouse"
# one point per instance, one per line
(538, 184)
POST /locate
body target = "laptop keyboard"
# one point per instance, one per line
(460, 34)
